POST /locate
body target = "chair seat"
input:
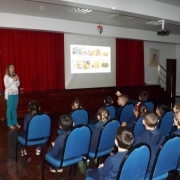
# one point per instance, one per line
(160, 177)
(100, 153)
(55, 162)
(22, 141)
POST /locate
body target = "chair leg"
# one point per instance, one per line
(70, 168)
(42, 172)
(16, 157)
(75, 169)
(57, 174)
(98, 162)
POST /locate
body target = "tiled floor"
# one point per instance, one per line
(8, 163)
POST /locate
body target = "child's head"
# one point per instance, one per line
(161, 109)
(33, 107)
(76, 104)
(124, 137)
(103, 115)
(176, 107)
(122, 100)
(143, 95)
(65, 122)
(150, 119)
(108, 100)
(177, 120)
(139, 109)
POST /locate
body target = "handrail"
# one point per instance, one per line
(159, 78)
(165, 70)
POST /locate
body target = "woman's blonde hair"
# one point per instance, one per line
(103, 113)
(7, 69)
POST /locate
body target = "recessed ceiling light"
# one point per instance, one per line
(113, 7)
(80, 10)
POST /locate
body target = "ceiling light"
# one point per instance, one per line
(81, 10)
(113, 7)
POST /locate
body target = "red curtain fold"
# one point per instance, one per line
(129, 62)
(38, 58)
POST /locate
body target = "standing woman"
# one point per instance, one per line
(11, 83)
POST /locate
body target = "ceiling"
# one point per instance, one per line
(60, 10)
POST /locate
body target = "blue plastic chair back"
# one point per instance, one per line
(39, 127)
(77, 143)
(80, 116)
(149, 105)
(138, 127)
(108, 134)
(167, 157)
(134, 165)
(167, 123)
(127, 112)
(112, 111)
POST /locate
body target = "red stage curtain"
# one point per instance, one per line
(38, 58)
(129, 62)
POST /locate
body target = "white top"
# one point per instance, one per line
(11, 86)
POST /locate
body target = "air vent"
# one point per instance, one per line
(80, 10)
(121, 17)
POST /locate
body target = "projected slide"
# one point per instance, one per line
(90, 59)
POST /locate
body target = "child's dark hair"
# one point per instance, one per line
(162, 108)
(143, 95)
(76, 104)
(140, 108)
(108, 100)
(66, 122)
(124, 137)
(150, 118)
(33, 107)
(104, 114)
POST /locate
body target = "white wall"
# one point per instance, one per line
(177, 70)
(167, 51)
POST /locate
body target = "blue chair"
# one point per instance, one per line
(166, 123)
(105, 140)
(135, 163)
(76, 145)
(80, 116)
(138, 127)
(112, 111)
(167, 159)
(127, 112)
(38, 132)
(149, 105)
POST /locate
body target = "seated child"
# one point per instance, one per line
(103, 116)
(66, 124)
(33, 108)
(151, 135)
(177, 123)
(76, 104)
(109, 170)
(122, 101)
(108, 100)
(139, 110)
(160, 111)
(143, 97)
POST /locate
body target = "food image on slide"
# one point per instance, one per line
(90, 59)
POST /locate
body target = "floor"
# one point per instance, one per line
(8, 168)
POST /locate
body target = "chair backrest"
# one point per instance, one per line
(138, 127)
(107, 136)
(166, 123)
(126, 113)
(149, 105)
(112, 111)
(167, 157)
(39, 126)
(76, 143)
(135, 163)
(80, 116)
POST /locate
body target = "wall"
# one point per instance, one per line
(177, 70)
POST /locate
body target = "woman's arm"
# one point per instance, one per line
(7, 84)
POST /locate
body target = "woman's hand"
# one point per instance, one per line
(118, 93)
(53, 143)
(101, 165)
